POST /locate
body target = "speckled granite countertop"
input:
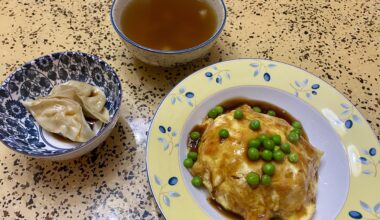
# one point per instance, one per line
(337, 41)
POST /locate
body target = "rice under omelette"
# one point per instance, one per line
(223, 166)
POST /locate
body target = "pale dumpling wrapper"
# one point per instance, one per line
(61, 116)
(91, 98)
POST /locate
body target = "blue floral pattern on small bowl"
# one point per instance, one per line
(18, 129)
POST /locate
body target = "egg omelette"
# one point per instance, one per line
(223, 165)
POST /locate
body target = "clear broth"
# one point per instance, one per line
(168, 24)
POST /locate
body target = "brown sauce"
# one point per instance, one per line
(265, 107)
(232, 216)
(191, 144)
(226, 214)
(230, 105)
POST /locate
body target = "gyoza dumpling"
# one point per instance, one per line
(61, 116)
(91, 98)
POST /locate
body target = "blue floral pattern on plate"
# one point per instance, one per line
(18, 129)
(183, 96)
(348, 117)
(373, 213)
(166, 195)
(302, 87)
(168, 141)
(259, 68)
(218, 74)
(369, 161)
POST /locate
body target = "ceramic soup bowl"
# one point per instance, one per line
(162, 57)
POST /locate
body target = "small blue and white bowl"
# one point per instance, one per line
(172, 57)
(18, 129)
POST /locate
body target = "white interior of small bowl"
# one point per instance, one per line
(56, 141)
(120, 5)
(334, 170)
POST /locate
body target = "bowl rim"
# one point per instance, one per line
(208, 41)
(93, 139)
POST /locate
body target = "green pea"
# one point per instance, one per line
(192, 155)
(254, 124)
(285, 147)
(277, 139)
(223, 133)
(253, 179)
(297, 124)
(219, 109)
(197, 181)
(271, 113)
(293, 157)
(268, 169)
(253, 154)
(256, 109)
(293, 137)
(267, 155)
(297, 130)
(238, 114)
(269, 144)
(254, 143)
(278, 155)
(263, 137)
(266, 180)
(195, 135)
(276, 148)
(213, 113)
(188, 163)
